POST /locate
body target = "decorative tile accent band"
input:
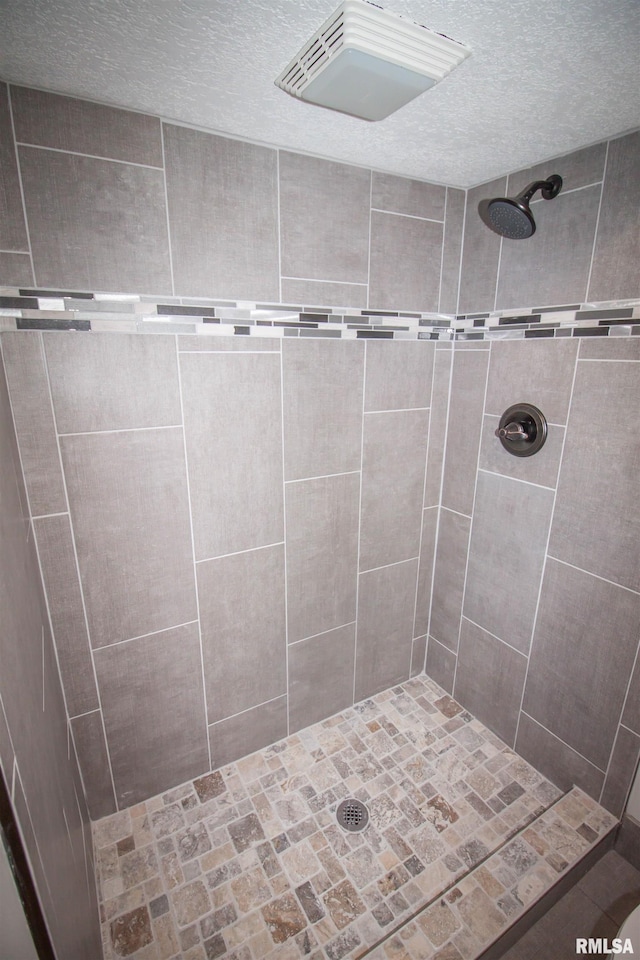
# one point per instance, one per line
(35, 309)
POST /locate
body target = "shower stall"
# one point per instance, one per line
(240, 531)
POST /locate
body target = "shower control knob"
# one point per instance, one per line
(522, 429)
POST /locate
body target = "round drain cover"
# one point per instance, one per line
(352, 815)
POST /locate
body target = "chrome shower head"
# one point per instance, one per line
(512, 217)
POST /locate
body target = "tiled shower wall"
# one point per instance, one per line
(37, 758)
(196, 214)
(536, 600)
(235, 535)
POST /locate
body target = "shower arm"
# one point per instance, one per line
(550, 188)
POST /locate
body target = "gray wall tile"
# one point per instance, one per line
(578, 169)
(553, 265)
(468, 380)
(129, 509)
(188, 343)
(325, 293)
(386, 600)
(418, 656)
(506, 557)
(66, 123)
(448, 583)
(631, 714)
(609, 348)
(480, 252)
(425, 575)
(489, 680)
(15, 269)
(324, 219)
(156, 732)
(437, 426)
(13, 232)
(249, 731)
(393, 470)
(402, 195)
(102, 382)
(617, 250)
(452, 251)
(596, 524)
(60, 575)
(78, 206)
(322, 395)
(7, 754)
(624, 760)
(535, 372)
(553, 758)
(398, 374)
(406, 256)
(541, 468)
(235, 460)
(242, 616)
(322, 554)
(222, 198)
(35, 717)
(91, 749)
(582, 654)
(321, 676)
(31, 402)
(441, 664)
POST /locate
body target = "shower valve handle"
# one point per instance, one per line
(512, 431)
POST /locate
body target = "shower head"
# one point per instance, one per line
(512, 217)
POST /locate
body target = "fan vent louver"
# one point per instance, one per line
(368, 62)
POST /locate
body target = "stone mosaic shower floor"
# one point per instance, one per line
(248, 862)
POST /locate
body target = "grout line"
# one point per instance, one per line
(284, 542)
(495, 636)
(23, 253)
(26, 848)
(22, 197)
(226, 353)
(78, 716)
(326, 476)
(464, 224)
(237, 553)
(47, 516)
(495, 298)
(506, 476)
(629, 730)
(248, 710)
(90, 433)
(621, 724)
(546, 553)
(364, 393)
(89, 156)
(444, 234)
(396, 409)
(597, 577)
(322, 634)
(42, 645)
(166, 207)
(604, 359)
(143, 636)
(410, 216)
(278, 219)
(369, 238)
(66, 823)
(384, 566)
(193, 552)
(473, 513)
(595, 232)
(467, 516)
(560, 740)
(344, 283)
(424, 497)
(80, 586)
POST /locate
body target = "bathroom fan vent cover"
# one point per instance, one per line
(368, 62)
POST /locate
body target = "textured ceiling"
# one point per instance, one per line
(544, 78)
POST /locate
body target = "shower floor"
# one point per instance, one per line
(248, 862)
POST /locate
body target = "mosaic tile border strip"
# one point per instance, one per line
(249, 863)
(479, 909)
(38, 309)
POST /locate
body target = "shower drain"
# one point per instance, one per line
(352, 815)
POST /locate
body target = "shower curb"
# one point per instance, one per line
(497, 944)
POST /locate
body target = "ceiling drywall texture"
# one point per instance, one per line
(544, 78)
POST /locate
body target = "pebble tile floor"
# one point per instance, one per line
(249, 863)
